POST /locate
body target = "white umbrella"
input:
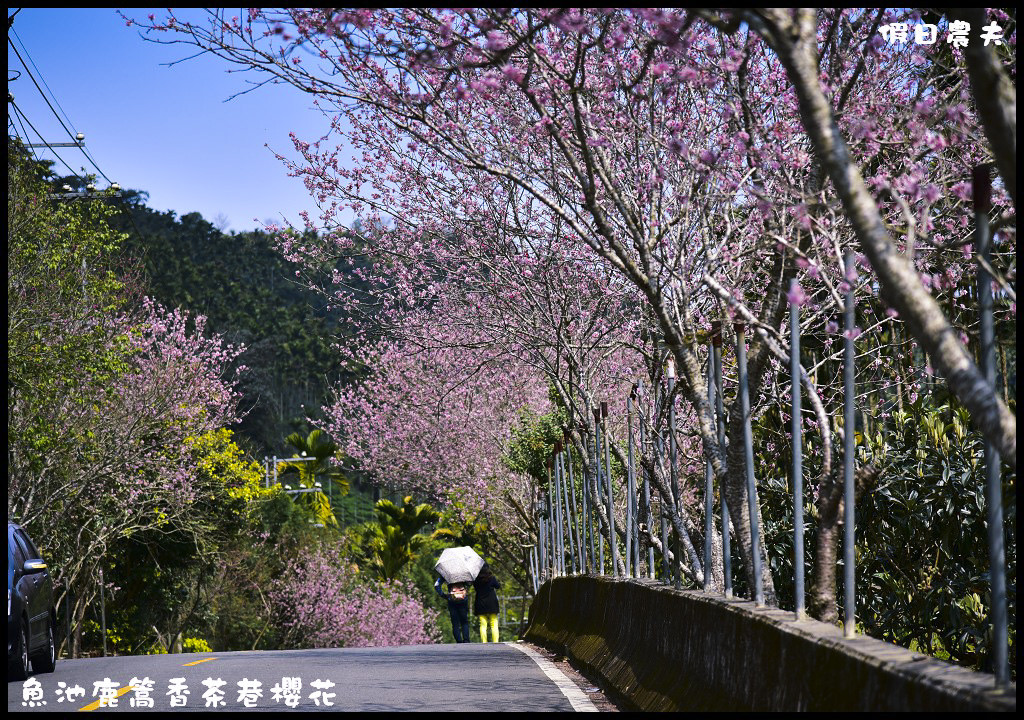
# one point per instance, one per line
(458, 565)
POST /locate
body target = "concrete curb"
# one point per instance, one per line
(662, 649)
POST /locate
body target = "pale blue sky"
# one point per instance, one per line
(164, 130)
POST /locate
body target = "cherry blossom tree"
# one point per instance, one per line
(700, 160)
(323, 602)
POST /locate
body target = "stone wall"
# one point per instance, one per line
(657, 648)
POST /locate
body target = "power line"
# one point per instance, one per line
(73, 136)
(24, 133)
(22, 116)
(45, 99)
(42, 79)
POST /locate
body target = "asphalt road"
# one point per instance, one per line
(456, 678)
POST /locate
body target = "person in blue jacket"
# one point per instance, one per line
(458, 607)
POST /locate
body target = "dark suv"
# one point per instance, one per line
(31, 618)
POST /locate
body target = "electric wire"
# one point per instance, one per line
(11, 117)
(45, 99)
(42, 79)
(39, 135)
(21, 117)
(71, 135)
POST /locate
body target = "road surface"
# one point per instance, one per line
(455, 678)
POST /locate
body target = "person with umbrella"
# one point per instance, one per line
(486, 605)
(458, 608)
(458, 567)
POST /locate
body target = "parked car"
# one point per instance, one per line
(31, 616)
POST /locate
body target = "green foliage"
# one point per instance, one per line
(921, 531)
(532, 443)
(250, 293)
(195, 645)
(165, 574)
(62, 292)
(386, 546)
(922, 545)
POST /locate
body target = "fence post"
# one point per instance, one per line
(67, 612)
(716, 345)
(588, 502)
(673, 464)
(666, 570)
(599, 477)
(849, 452)
(709, 480)
(559, 519)
(613, 545)
(541, 537)
(648, 513)
(748, 451)
(630, 486)
(993, 485)
(574, 526)
(566, 512)
(797, 440)
(103, 613)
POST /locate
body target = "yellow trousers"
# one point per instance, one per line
(493, 620)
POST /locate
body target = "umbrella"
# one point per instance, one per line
(460, 564)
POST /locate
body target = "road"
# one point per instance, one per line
(456, 678)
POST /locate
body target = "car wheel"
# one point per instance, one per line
(46, 661)
(17, 666)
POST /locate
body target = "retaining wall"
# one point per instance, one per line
(657, 648)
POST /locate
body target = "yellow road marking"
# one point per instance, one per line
(127, 688)
(199, 661)
(92, 706)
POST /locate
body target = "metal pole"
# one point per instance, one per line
(563, 506)
(665, 569)
(716, 342)
(797, 439)
(673, 463)
(559, 526)
(103, 613)
(563, 515)
(588, 532)
(552, 529)
(535, 564)
(552, 504)
(556, 467)
(748, 450)
(541, 538)
(709, 475)
(570, 511)
(631, 488)
(849, 450)
(552, 550)
(600, 472)
(993, 485)
(576, 520)
(613, 545)
(634, 498)
(566, 514)
(67, 612)
(647, 491)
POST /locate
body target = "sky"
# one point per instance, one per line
(165, 130)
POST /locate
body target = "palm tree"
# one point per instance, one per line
(313, 464)
(396, 538)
